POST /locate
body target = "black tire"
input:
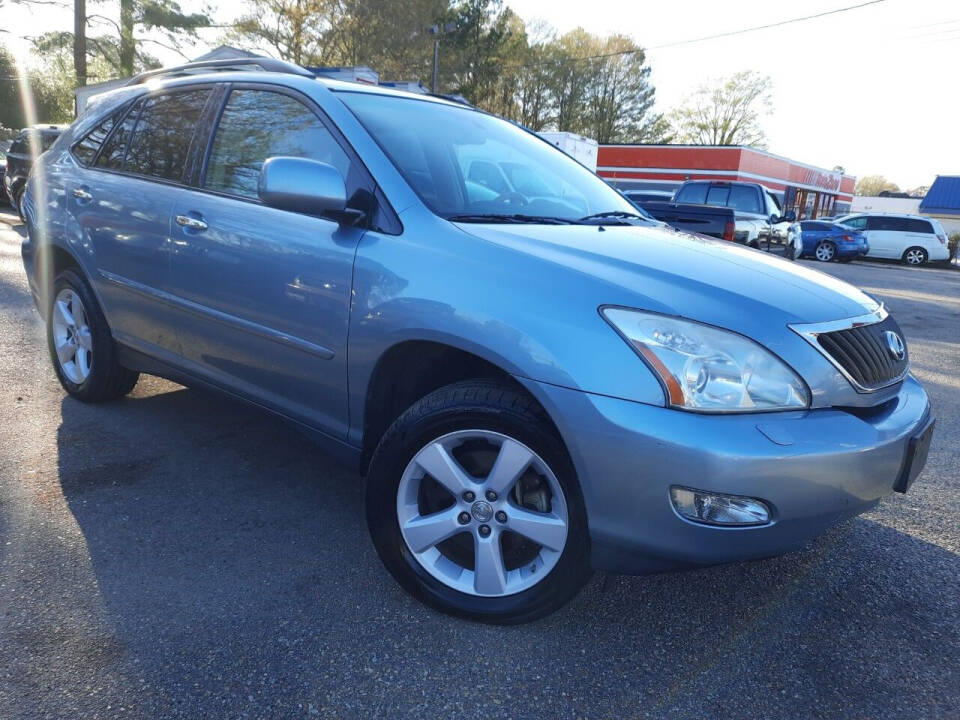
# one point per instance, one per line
(17, 202)
(914, 252)
(826, 249)
(108, 380)
(486, 405)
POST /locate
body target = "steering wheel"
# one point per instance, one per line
(511, 198)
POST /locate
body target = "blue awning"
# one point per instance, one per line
(943, 198)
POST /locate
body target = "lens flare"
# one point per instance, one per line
(35, 211)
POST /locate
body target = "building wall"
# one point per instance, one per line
(951, 223)
(903, 206)
(666, 166)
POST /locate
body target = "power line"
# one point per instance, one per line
(768, 26)
(689, 41)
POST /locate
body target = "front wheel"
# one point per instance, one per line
(914, 256)
(474, 507)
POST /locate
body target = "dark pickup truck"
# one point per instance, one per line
(718, 222)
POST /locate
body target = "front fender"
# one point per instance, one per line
(533, 319)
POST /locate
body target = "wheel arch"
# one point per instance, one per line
(50, 260)
(410, 369)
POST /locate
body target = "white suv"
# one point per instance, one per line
(912, 239)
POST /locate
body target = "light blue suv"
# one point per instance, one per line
(534, 381)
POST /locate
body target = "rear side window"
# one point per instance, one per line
(114, 150)
(718, 195)
(695, 194)
(161, 138)
(890, 224)
(744, 199)
(260, 124)
(919, 226)
(86, 150)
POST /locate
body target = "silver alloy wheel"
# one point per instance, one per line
(915, 256)
(825, 252)
(71, 336)
(486, 508)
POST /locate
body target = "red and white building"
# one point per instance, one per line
(808, 190)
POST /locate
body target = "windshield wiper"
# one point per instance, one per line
(511, 218)
(616, 214)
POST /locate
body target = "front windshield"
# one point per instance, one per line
(463, 163)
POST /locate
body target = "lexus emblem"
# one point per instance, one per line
(895, 345)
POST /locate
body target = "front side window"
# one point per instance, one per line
(260, 124)
(462, 162)
(161, 138)
(857, 223)
(47, 140)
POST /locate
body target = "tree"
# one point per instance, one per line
(391, 37)
(727, 113)
(80, 41)
(160, 15)
(488, 37)
(293, 30)
(873, 185)
(50, 88)
(619, 102)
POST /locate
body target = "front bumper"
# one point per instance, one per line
(814, 468)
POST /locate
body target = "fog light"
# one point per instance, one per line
(714, 509)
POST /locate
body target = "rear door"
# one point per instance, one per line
(121, 198)
(265, 293)
(886, 235)
(921, 233)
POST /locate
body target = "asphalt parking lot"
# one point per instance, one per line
(176, 554)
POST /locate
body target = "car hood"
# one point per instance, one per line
(679, 273)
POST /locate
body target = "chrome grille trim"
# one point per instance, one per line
(811, 332)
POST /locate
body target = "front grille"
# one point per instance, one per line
(864, 353)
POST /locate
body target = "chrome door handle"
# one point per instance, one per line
(82, 194)
(191, 222)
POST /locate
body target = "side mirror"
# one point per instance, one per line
(301, 185)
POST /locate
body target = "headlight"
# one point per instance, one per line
(708, 369)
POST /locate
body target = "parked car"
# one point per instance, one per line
(756, 209)
(20, 159)
(718, 222)
(912, 239)
(825, 241)
(534, 387)
(4, 148)
(641, 196)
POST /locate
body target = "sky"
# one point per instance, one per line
(871, 88)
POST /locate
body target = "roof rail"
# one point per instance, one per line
(261, 64)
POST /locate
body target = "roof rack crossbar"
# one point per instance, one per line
(263, 64)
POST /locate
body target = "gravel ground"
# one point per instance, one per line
(176, 554)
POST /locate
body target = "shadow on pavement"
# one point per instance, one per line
(234, 565)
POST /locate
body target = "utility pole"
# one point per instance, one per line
(437, 31)
(80, 41)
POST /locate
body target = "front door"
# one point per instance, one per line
(265, 293)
